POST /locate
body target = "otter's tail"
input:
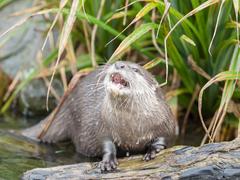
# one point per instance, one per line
(57, 131)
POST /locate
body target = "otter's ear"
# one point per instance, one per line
(159, 92)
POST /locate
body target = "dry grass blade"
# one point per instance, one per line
(116, 16)
(84, 10)
(139, 15)
(185, 119)
(222, 109)
(209, 129)
(197, 69)
(71, 57)
(63, 78)
(61, 6)
(22, 21)
(215, 29)
(93, 37)
(187, 39)
(126, 6)
(154, 36)
(122, 8)
(234, 108)
(125, 12)
(228, 90)
(227, 75)
(12, 86)
(29, 10)
(236, 8)
(53, 91)
(194, 11)
(64, 38)
(165, 13)
(19, 23)
(86, 30)
(136, 34)
(152, 63)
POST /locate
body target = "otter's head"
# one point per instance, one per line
(125, 79)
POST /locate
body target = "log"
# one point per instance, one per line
(211, 161)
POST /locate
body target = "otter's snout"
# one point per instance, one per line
(118, 79)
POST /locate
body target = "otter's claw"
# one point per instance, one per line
(109, 161)
(154, 148)
(151, 154)
(108, 164)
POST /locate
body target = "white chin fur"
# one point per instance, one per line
(117, 89)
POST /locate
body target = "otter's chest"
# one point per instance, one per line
(131, 131)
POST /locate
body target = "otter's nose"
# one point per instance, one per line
(119, 65)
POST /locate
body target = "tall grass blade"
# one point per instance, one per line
(194, 11)
(228, 90)
(139, 15)
(94, 31)
(236, 8)
(153, 63)
(61, 6)
(227, 75)
(167, 6)
(188, 40)
(63, 39)
(215, 29)
(23, 20)
(136, 34)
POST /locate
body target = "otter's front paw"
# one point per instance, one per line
(151, 153)
(154, 148)
(109, 163)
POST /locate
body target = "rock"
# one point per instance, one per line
(19, 48)
(32, 98)
(5, 81)
(211, 161)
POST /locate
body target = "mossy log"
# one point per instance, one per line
(211, 161)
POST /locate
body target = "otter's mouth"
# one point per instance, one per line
(118, 79)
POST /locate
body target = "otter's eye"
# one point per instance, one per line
(135, 69)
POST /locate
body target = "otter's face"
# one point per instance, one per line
(125, 78)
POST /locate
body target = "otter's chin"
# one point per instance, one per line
(117, 89)
(117, 85)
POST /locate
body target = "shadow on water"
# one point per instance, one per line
(19, 154)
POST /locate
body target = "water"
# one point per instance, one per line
(18, 154)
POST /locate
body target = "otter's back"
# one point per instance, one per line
(84, 112)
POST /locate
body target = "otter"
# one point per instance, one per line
(117, 107)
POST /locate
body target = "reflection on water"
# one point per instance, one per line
(18, 154)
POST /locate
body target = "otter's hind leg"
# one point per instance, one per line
(58, 130)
